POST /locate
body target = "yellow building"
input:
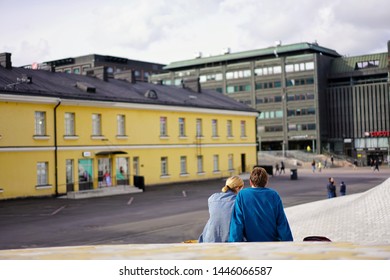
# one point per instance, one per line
(62, 133)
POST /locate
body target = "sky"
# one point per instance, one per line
(165, 31)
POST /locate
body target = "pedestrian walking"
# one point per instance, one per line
(343, 188)
(331, 160)
(331, 188)
(277, 169)
(376, 165)
(313, 166)
(282, 167)
(319, 166)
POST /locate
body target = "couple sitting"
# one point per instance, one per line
(253, 214)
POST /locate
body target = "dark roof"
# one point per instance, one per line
(73, 86)
(300, 48)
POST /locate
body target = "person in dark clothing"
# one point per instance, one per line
(376, 165)
(331, 188)
(282, 168)
(343, 188)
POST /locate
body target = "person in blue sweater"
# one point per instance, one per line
(258, 214)
(220, 208)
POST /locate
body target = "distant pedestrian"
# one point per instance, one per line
(313, 166)
(376, 165)
(326, 163)
(282, 167)
(343, 188)
(331, 160)
(277, 169)
(319, 166)
(355, 163)
(331, 188)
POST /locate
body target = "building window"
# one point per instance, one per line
(183, 165)
(243, 129)
(215, 163)
(70, 124)
(214, 127)
(367, 64)
(182, 127)
(229, 128)
(238, 88)
(121, 125)
(210, 77)
(136, 165)
(164, 166)
(97, 124)
(230, 162)
(199, 132)
(200, 164)
(42, 173)
(40, 123)
(238, 74)
(69, 171)
(262, 71)
(163, 126)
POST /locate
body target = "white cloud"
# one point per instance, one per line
(170, 30)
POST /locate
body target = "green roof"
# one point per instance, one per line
(270, 51)
(349, 64)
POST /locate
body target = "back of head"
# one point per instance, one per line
(259, 177)
(234, 183)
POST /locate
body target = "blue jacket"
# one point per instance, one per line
(220, 209)
(258, 216)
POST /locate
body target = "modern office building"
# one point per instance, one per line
(358, 100)
(308, 95)
(98, 64)
(61, 132)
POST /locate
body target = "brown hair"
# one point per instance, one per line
(234, 183)
(259, 177)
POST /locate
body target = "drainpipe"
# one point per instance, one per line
(56, 147)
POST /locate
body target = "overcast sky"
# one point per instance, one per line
(165, 31)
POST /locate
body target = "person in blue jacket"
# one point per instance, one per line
(220, 208)
(258, 214)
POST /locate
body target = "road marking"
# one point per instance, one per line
(58, 210)
(130, 200)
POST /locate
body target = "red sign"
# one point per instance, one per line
(383, 133)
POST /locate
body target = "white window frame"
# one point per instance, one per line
(182, 127)
(243, 129)
(229, 128)
(42, 173)
(199, 131)
(216, 163)
(214, 128)
(199, 163)
(164, 167)
(70, 129)
(163, 127)
(40, 123)
(230, 162)
(183, 165)
(121, 125)
(96, 124)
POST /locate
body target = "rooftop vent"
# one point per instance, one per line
(151, 94)
(5, 60)
(86, 87)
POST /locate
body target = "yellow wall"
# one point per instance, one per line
(20, 152)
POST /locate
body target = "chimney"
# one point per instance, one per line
(127, 75)
(100, 72)
(192, 83)
(5, 60)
